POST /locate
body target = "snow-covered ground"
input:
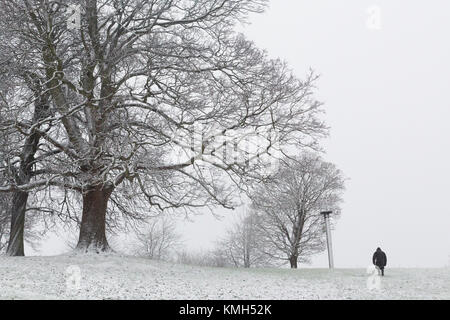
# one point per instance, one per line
(119, 277)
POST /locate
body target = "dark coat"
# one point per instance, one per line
(379, 258)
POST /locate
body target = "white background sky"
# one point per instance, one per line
(387, 98)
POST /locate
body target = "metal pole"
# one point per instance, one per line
(326, 215)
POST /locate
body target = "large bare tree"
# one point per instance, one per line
(23, 98)
(128, 91)
(289, 205)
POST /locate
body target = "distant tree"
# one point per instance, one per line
(215, 258)
(288, 207)
(158, 239)
(241, 244)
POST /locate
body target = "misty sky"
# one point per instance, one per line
(386, 87)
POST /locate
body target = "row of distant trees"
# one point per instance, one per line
(283, 223)
(99, 123)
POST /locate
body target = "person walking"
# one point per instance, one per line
(380, 260)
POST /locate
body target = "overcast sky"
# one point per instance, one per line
(385, 82)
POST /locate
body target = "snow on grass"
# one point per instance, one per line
(121, 277)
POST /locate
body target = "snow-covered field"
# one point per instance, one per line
(119, 277)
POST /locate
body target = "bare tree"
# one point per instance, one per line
(127, 90)
(23, 98)
(158, 239)
(289, 205)
(241, 245)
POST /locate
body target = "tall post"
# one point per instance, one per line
(326, 216)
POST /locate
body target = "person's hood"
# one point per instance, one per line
(378, 249)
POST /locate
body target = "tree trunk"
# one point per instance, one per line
(19, 205)
(294, 261)
(93, 221)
